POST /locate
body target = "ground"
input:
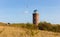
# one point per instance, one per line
(9, 31)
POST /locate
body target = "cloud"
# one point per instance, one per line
(26, 12)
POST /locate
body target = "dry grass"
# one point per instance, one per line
(8, 31)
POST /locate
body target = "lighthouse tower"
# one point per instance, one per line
(36, 18)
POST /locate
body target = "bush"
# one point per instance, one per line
(49, 27)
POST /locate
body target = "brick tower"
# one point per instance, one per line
(35, 18)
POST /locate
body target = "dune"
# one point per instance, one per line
(8, 31)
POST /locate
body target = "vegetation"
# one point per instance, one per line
(42, 26)
(49, 27)
(29, 30)
(27, 25)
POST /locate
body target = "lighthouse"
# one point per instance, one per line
(35, 17)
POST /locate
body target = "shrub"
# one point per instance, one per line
(49, 27)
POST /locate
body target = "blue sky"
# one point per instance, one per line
(20, 11)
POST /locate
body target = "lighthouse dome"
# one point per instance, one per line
(36, 11)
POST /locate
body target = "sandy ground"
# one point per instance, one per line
(6, 31)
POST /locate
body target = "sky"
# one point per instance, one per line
(20, 11)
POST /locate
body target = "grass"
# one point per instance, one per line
(25, 30)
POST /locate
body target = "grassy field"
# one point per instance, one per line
(19, 30)
(6, 31)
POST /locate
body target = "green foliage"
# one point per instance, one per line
(27, 25)
(49, 27)
(41, 26)
(44, 26)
